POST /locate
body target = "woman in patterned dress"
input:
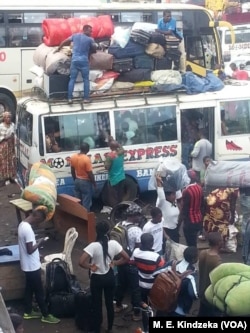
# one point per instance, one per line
(7, 149)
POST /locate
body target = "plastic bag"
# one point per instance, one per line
(231, 241)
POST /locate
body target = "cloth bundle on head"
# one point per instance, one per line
(169, 183)
(133, 209)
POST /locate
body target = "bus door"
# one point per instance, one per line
(194, 118)
(27, 77)
(233, 130)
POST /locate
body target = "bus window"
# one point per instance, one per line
(15, 18)
(34, 17)
(2, 37)
(25, 125)
(25, 36)
(153, 124)
(1, 18)
(237, 117)
(72, 130)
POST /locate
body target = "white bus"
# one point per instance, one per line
(241, 45)
(160, 122)
(21, 32)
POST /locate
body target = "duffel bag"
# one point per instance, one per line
(101, 60)
(157, 38)
(155, 50)
(136, 75)
(62, 304)
(131, 50)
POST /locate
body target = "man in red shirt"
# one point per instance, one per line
(193, 201)
(239, 74)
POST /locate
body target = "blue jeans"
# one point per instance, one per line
(84, 192)
(75, 68)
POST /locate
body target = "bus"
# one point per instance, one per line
(160, 128)
(241, 45)
(21, 33)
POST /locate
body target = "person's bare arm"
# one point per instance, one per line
(31, 248)
(92, 178)
(73, 173)
(63, 43)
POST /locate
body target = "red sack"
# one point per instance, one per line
(55, 31)
(94, 23)
(106, 26)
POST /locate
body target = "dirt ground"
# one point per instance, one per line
(8, 236)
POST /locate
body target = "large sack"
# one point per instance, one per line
(228, 174)
(225, 269)
(40, 54)
(41, 190)
(56, 30)
(57, 62)
(155, 50)
(167, 76)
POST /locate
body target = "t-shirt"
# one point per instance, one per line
(156, 230)
(170, 25)
(95, 251)
(170, 212)
(82, 165)
(202, 148)
(81, 47)
(147, 262)
(116, 171)
(240, 74)
(29, 262)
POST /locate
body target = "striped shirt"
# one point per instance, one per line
(192, 197)
(147, 263)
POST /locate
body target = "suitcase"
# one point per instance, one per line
(135, 75)
(172, 42)
(101, 60)
(62, 304)
(140, 36)
(144, 61)
(158, 38)
(84, 316)
(122, 65)
(164, 63)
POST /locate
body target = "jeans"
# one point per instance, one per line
(75, 68)
(100, 283)
(128, 277)
(34, 286)
(84, 192)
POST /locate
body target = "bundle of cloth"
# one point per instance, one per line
(41, 190)
(229, 289)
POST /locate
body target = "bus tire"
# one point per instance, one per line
(108, 195)
(7, 103)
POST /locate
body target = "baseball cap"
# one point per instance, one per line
(134, 209)
(192, 174)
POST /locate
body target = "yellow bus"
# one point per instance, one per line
(21, 32)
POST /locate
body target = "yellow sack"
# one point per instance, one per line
(144, 84)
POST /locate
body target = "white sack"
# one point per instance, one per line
(40, 54)
(166, 76)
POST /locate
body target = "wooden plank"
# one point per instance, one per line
(70, 213)
(23, 205)
(5, 321)
(12, 281)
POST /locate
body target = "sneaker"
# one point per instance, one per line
(50, 319)
(70, 101)
(32, 315)
(120, 308)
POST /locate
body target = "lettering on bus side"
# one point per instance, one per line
(2, 56)
(130, 156)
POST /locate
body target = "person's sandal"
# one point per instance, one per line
(121, 308)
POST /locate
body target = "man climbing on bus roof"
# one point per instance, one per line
(167, 25)
(83, 45)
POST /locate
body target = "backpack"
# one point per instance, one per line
(58, 277)
(120, 234)
(166, 288)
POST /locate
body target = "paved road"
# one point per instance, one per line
(8, 225)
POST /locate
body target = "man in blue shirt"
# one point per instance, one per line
(82, 45)
(167, 25)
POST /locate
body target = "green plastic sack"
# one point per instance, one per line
(226, 269)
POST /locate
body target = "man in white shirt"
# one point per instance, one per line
(202, 148)
(155, 228)
(31, 266)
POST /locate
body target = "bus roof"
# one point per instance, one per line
(235, 91)
(72, 5)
